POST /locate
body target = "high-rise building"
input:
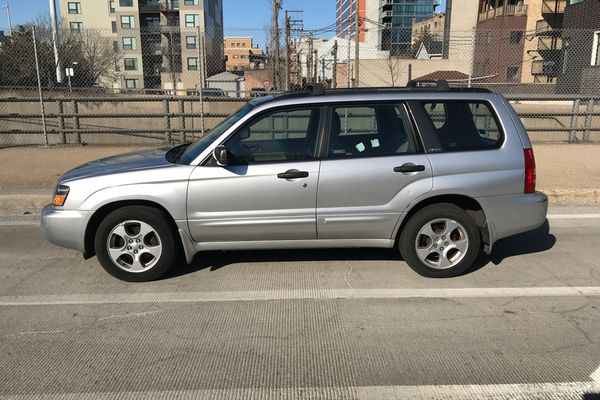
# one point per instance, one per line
(158, 41)
(397, 17)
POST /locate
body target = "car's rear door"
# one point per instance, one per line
(373, 167)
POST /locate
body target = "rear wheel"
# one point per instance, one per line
(135, 244)
(440, 241)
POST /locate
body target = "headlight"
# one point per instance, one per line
(60, 195)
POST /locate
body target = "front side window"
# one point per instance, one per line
(278, 136)
(369, 131)
(465, 125)
(192, 20)
(127, 22)
(74, 8)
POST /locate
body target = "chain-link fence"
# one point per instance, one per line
(170, 84)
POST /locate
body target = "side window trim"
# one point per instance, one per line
(209, 160)
(414, 134)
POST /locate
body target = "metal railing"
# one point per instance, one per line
(509, 10)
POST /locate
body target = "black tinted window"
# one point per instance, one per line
(370, 131)
(463, 126)
(278, 136)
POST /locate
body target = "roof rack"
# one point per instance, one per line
(441, 84)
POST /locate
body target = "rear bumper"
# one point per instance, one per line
(65, 228)
(512, 214)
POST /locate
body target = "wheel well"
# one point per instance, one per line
(102, 212)
(470, 205)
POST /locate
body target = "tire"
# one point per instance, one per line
(136, 244)
(440, 241)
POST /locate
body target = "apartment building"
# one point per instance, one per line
(519, 41)
(163, 44)
(241, 55)
(434, 26)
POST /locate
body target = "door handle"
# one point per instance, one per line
(409, 168)
(292, 174)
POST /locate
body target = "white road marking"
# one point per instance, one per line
(20, 223)
(596, 375)
(520, 391)
(129, 315)
(312, 294)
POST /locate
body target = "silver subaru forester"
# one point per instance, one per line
(440, 174)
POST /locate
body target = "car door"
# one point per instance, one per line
(374, 167)
(268, 189)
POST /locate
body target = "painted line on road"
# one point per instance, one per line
(308, 294)
(549, 216)
(523, 391)
(596, 375)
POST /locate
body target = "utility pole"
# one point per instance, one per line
(288, 31)
(334, 77)
(309, 56)
(322, 70)
(59, 71)
(7, 8)
(276, 75)
(316, 65)
(356, 46)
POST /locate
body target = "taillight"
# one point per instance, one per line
(529, 186)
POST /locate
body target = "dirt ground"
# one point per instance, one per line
(563, 170)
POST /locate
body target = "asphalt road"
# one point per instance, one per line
(339, 324)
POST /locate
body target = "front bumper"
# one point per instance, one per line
(65, 228)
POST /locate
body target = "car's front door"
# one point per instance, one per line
(268, 191)
(373, 169)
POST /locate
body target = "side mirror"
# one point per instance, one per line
(220, 155)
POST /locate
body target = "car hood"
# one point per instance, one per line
(136, 161)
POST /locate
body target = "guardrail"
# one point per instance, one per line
(66, 122)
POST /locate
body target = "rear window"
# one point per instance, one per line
(465, 125)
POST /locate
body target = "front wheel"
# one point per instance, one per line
(440, 241)
(135, 244)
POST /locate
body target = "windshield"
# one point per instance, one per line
(196, 148)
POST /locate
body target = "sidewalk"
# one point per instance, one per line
(568, 173)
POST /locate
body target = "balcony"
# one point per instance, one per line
(545, 28)
(386, 4)
(509, 10)
(386, 15)
(162, 6)
(553, 6)
(549, 43)
(544, 67)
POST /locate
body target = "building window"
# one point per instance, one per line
(190, 2)
(571, 2)
(113, 25)
(191, 42)
(126, 3)
(131, 83)
(512, 73)
(111, 6)
(130, 64)
(74, 8)
(596, 49)
(127, 22)
(192, 64)
(129, 43)
(192, 20)
(117, 66)
(76, 26)
(115, 46)
(516, 36)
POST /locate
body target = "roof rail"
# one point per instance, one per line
(315, 89)
(441, 85)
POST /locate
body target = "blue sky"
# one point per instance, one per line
(237, 13)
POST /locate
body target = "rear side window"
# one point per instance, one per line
(465, 125)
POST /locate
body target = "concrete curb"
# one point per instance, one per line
(24, 203)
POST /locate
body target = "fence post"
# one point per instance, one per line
(574, 117)
(201, 77)
(39, 79)
(167, 120)
(75, 111)
(182, 119)
(588, 119)
(61, 121)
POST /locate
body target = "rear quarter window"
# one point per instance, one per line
(465, 125)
